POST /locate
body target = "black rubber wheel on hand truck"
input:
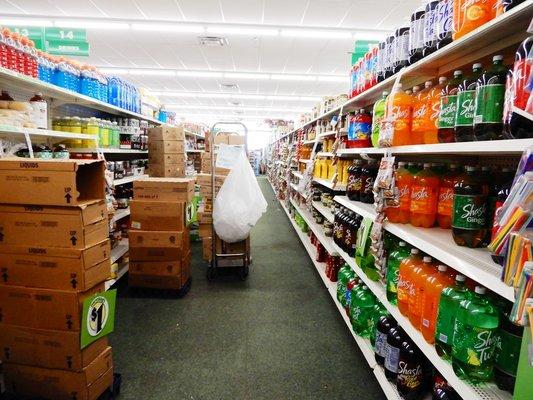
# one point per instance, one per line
(243, 272)
(211, 273)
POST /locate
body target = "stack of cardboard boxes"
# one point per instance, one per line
(166, 151)
(160, 252)
(54, 253)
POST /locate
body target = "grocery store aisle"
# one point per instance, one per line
(276, 336)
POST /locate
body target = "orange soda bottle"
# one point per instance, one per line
(420, 114)
(435, 284)
(434, 100)
(471, 14)
(405, 286)
(403, 181)
(445, 203)
(401, 115)
(424, 197)
(418, 279)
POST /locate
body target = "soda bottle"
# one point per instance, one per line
(361, 311)
(424, 197)
(411, 371)
(445, 204)
(466, 107)
(405, 285)
(378, 112)
(418, 279)
(344, 276)
(393, 267)
(507, 352)
(395, 337)
(380, 63)
(432, 123)
(402, 114)
(403, 182)
(421, 112)
(389, 56)
(355, 182)
(474, 338)
(434, 285)
(444, 22)
(378, 312)
(471, 14)
(441, 389)
(343, 228)
(359, 131)
(448, 108)
(383, 326)
(503, 6)
(469, 214)
(350, 234)
(490, 96)
(416, 34)
(40, 111)
(449, 302)
(401, 46)
(369, 173)
(430, 27)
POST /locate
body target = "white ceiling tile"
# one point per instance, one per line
(284, 12)
(203, 10)
(244, 12)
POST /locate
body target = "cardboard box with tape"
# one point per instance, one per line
(166, 146)
(158, 215)
(164, 189)
(166, 171)
(166, 133)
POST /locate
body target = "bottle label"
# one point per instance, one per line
(392, 356)
(369, 185)
(40, 114)
(410, 375)
(469, 212)
(423, 200)
(404, 192)
(489, 104)
(445, 18)
(392, 279)
(430, 26)
(508, 352)
(466, 108)
(473, 345)
(405, 289)
(360, 131)
(348, 237)
(445, 201)
(381, 342)
(416, 37)
(448, 107)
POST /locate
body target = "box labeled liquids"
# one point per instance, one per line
(47, 348)
(157, 215)
(54, 267)
(166, 133)
(164, 189)
(69, 227)
(51, 182)
(57, 384)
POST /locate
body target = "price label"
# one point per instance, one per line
(65, 34)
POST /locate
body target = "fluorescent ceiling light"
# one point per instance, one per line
(316, 33)
(249, 96)
(152, 72)
(289, 77)
(325, 78)
(233, 96)
(101, 24)
(25, 22)
(200, 74)
(222, 29)
(246, 75)
(231, 108)
(168, 27)
(370, 35)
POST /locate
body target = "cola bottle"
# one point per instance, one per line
(369, 173)
(385, 323)
(355, 182)
(430, 28)
(395, 338)
(401, 48)
(444, 22)
(416, 34)
(411, 371)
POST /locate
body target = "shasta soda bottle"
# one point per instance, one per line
(449, 302)
(418, 278)
(378, 112)
(430, 27)
(507, 352)
(490, 97)
(402, 114)
(445, 204)
(355, 180)
(434, 97)
(405, 285)
(502, 6)
(378, 311)
(393, 267)
(421, 113)
(403, 182)
(471, 14)
(441, 389)
(395, 337)
(444, 22)
(474, 338)
(424, 198)
(469, 218)
(383, 326)
(411, 371)
(448, 108)
(361, 311)
(352, 287)
(466, 105)
(369, 173)
(435, 283)
(416, 34)
(344, 276)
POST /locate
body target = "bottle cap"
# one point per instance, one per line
(452, 166)
(385, 93)
(416, 88)
(415, 251)
(477, 65)
(401, 164)
(427, 259)
(428, 84)
(470, 168)
(486, 168)
(480, 290)
(364, 287)
(457, 72)
(442, 79)
(460, 278)
(442, 268)
(497, 57)
(402, 244)
(427, 165)
(39, 94)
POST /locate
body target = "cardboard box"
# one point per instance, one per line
(157, 239)
(54, 267)
(167, 159)
(207, 242)
(162, 268)
(47, 349)
(51, 182)
(232, 248)
(235, 140)
(205, 230)
(164, 189)
(43, 308)
(166, 146)
(205, 180)
(166, 133)
(156, 254)
(69, 227)
(205, 217)
(166, 171)
(157, 282)
(207, 191)
(56, 384)
(157, 215)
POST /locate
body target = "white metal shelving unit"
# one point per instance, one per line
(19, 131)
(297, 174)
(327, 183)
(107, 150)
(128, 179)
(322, 209)
(324, 154)
(121, 213)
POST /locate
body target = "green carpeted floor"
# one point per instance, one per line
(276, 336)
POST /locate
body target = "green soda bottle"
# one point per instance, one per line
(393, 267)
(475, 337)
(378, 113)
(344, 276)
(379, 311)
(361, 311)
(450, 300)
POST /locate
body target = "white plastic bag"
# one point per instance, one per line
(239, 203)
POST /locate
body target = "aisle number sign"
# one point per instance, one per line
(58, 41)
(98, 317)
